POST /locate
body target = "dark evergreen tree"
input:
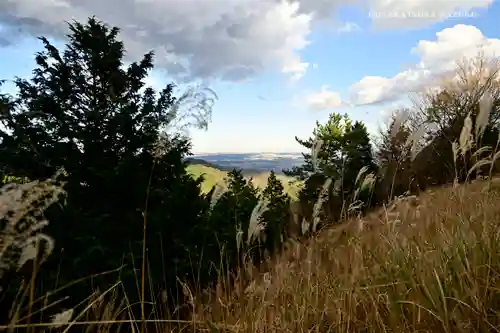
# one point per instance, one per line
(84, 112)
(229, 219)
(358, 153)
(277, 215)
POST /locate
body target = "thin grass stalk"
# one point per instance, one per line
(32, 285)
(495, 156)
(143, 268)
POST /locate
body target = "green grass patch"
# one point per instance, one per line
(213, 175)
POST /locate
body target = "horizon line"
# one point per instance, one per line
(250, 152)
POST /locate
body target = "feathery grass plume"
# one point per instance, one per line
(495, 155)
(256, 225)
(481, 150)
(21, 213)
(485, 108)
(219, 190)
(360, 174)
(455, 149)
(494, 158)
(316, 148)
(414, 139)
(239, 237)
(367, 183)
(187, 293)
(355, 206)
(337, 185)
(323, 194)
(466, 138)
(477, 165)
(195, 103)
(63, 318)
(304, 226)
(31, 247)
(400, 117)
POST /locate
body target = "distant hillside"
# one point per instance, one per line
(199, 161)
(214, 175)
(252, 163)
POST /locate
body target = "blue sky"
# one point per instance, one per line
(262, 108)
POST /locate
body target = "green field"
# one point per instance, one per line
(213, 176)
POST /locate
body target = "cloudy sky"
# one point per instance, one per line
(276, 66)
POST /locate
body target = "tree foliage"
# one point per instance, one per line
(277, 216)
(345, 148)
(84, 112)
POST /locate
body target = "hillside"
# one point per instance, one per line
(214, 175)
(430, 264)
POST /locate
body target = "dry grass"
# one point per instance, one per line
(426, 264)
(431, 264)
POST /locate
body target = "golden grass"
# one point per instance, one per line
(430, 265)
(425, 264)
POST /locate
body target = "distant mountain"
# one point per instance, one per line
(225, 168)
(200, 161)
(250, 163)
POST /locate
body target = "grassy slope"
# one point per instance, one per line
(432, 265)
(213, 176)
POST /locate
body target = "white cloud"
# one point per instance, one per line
(349, 27)
(296, 67)
(227, 39)
(193, 39)
(323, 100)
(436, 57)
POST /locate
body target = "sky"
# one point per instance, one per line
(276, 66)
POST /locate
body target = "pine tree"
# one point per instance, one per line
(277, 215)
(85, 112)
(329, 158)
(358, 154)
(346, 148)
(228, 224)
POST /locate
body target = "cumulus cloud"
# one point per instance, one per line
(194, 39)
(323, 100)
(227, 39)
(436, 57)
